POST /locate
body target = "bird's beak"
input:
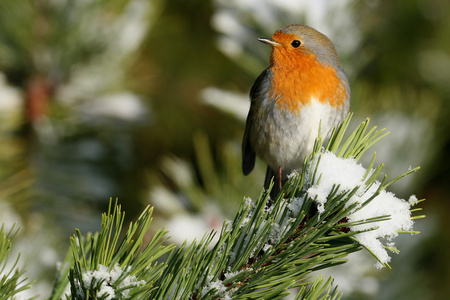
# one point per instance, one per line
(269, 41)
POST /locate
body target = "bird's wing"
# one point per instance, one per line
(248, 154)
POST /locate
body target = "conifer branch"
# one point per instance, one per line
(319, 217)
(268, 249)
(11, 277)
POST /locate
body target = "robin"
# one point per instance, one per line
(303, 88)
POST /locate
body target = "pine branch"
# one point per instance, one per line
(11, 277)
(105, 269)
(320, 216)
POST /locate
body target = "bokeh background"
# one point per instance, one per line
(145, 100)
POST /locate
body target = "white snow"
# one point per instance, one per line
(348, 174)
(221, 289)
(335, 171)
(413, 200)
(108, 279)
(296, 205)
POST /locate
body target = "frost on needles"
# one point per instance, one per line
(346, 174)
(375, 215)
(333, 208)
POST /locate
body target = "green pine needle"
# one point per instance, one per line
(11, 277)
(265, 251)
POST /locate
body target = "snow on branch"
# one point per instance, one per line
(371, 201)
(332, 208)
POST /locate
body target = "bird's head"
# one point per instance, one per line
(294, 42)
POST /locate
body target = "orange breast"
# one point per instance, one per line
(299, 78)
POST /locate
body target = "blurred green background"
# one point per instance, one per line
(146, 101)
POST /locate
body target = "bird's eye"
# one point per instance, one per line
(296, 43)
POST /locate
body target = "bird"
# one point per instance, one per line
(303, 89)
